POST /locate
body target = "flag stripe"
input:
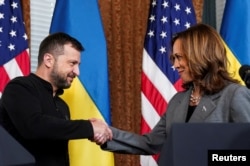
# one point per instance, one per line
(12, 68)
(178, 85)
(145, 127)
(145, 160)
(4, 78)
(153, 95)
(149, 114)
(23, 61)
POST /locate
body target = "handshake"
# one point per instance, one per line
(102, 132)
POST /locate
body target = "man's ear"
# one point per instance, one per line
(48, 60)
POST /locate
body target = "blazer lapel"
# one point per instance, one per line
(182, 107)
(204, 108)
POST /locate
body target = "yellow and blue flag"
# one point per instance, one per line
(235, 31)
(88, 97)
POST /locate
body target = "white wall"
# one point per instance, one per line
(41, 12)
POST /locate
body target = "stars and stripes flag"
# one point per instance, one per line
(159, 79)
(14, 56)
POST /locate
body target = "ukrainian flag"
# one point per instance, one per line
(88, 96)
(235, 30)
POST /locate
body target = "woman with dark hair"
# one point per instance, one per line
(210, 94)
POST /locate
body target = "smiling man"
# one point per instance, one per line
(34, 114)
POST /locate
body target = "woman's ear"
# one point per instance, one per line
(48, 60)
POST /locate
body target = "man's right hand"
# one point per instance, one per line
(102, 132)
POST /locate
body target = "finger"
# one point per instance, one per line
(97, 136)
(109, 134)
(102, 140)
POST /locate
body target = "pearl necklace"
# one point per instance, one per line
(193, 99)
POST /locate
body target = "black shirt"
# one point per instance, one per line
(39, 120)
(190, 112)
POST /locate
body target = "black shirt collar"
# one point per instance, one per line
(47, 84)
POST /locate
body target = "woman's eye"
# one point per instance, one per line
(176, 57)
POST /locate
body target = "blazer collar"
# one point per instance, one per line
(204, 108)
(182, 106)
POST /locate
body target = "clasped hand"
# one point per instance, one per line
(102, 132)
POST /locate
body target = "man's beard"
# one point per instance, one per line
(58, 79)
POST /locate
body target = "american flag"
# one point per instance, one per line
(159, 79)
(14, 56)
